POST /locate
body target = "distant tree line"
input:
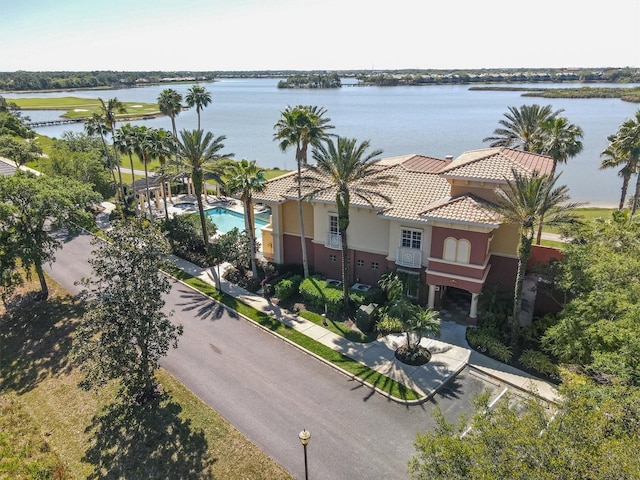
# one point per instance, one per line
(23, 80)
(319, 80)
(437, 77)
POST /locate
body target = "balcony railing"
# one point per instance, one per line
(333, 240)
(409, 257)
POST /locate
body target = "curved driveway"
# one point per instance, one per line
(270, 390)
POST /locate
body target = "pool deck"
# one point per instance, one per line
(211, 202)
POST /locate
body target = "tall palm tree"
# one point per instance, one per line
(612, 158)
(195, 151)
(521, 127)
(560, 140)
(301, 126)
(164, 146)
(95, 125)
(170, 103)
(345, 167)
(199, 97)
(125, 142)
(524, 200)
(627, 142)
(246, 178)
(109, 110)
(142, 139)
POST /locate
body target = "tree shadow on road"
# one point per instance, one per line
(203, 307)
(148, 441)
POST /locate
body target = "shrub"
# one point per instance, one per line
(317, 293)
(185, 236)
(539, 362)
(485, 341)
(389, 324)
(288, 287)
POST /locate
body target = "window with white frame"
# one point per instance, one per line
(411, 238)
(458, 251)
(333, 258)
(375, 265)
(333, 224)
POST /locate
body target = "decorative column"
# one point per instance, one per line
(432, 296)
(473, 312)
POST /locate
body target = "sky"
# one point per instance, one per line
(231, 35)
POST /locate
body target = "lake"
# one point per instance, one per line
(429, 120)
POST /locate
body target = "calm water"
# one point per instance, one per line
(434, 121)
(226, 220)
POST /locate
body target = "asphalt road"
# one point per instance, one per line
(270, 390)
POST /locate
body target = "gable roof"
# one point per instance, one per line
(463, 209)
(495, 164)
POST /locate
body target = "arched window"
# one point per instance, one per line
(450, 248)
(458, 251)
(464, 251)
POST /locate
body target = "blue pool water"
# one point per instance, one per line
(226, 220)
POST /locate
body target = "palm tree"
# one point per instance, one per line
(346, 168)
(523, 201)
(170, 103)
(560, 140)
(521, 127)
(612, 158)
(246, 178)
(109, 110)
(195, 152)
(163, 145)
(301, 126)
(95, 125)
(627, 143)
(199, 97)
(142, 146)
(125, 141)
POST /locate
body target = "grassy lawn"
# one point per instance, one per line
(76, 107)
(586, 214)
(49, 428)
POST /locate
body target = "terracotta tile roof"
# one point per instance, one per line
(463, 209)
(495, 164)
(423, 191)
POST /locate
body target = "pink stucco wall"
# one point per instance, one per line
(478, 242)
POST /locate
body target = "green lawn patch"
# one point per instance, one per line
(338, 359)
(76, 107)
(339, 328)
(585, 214)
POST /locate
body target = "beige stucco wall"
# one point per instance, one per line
(290, 218)
(505, 240)
(395, 237)
(367, 232)
(485, 191)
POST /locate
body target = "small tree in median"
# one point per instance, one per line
(124, 331)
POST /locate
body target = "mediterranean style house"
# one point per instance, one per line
(438, 232)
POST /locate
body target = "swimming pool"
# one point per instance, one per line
(226, 220)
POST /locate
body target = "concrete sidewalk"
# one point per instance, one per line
(450, 354)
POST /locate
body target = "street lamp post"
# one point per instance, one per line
(304, 437)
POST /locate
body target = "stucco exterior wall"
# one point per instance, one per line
(505, 240)
(367, 231)
(395, 238)
(486, 191)
(478, 242)
(291, 221)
